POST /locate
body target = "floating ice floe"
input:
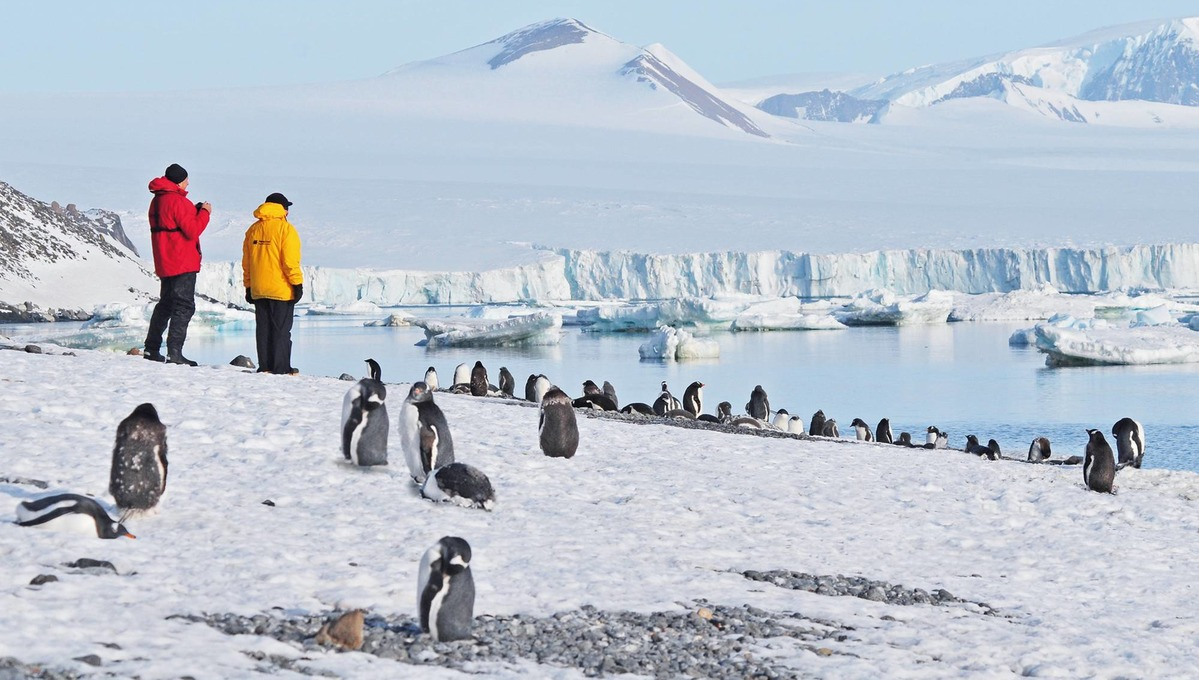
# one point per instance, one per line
(356, 308)
(881, 307)
(787, 314)
(539, 328)
(1152, 338)
(120, 325)
(674, 343)
(393, 319)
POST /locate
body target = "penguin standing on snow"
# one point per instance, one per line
(540, 387)
(1039, 450)
(665, 402)
(531, 388)
(795, 425)
(424, 433)
(376, 373)
(1130, 442)
(461, 375)
(781, 418)
(1099, 466)
(431, 379)
(507, 382)
(905, 439)
(882, 433)
(364, 422)
(862, 430)
(478, 380)
(138, 476)
(446, 590)
(693, 398)
(70, 512)
(816, 425)
(758, 405)
(590, 388)
(830, 428)
(460, 484)
(557, 429)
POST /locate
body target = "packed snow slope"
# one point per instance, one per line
(562, 137)
(644, 518)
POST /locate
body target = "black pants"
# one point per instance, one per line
(176, 304)
(273, 331)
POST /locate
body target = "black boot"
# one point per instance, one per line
(153, 356)
(178, 358)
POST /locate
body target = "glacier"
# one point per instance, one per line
(593, 275)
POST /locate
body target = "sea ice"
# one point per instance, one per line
(539, 328)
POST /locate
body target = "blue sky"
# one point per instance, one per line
(77, 45)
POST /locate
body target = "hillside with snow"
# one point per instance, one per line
(560, 160)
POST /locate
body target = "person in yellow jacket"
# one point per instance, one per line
(270, 265)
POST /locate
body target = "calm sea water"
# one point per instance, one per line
(963, 378)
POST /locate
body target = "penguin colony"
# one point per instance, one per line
(445, 588)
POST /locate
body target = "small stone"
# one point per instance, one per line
(242, 361)
(345, 632)
(43, 578)
(88, 563)
(90, 659)
(347, 377)
(824, 651)
(269, 502)
(704, 613)
(33, 349)
(135, 352)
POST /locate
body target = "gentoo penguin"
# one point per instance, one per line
(638, 407)
(364, 423)
(460, 484)
(862, 430)
(70, 512)
(994, 446)
(724, 411)
(431, 379)
(139, 462)
(530, 384)
(557, 429)
(747, 421)
(1099, 467)
(376, 373)
(816, 425)
(830, 428)
(665, 401)
(693, 398)
(589, 387)
(507, 382)
(931, 439)
(461, 375)
(597, 402)
(882, 433)
(610, 392)
(424, 433)
(1130, 442)
(942, 441)
(1038, 451)
(758, 405)
(990, 451)
(446, 590)
(905, 439)
(478, 380)
(795, 425)
(781, 417)
(540, 387)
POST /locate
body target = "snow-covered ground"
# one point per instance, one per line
(645, 518)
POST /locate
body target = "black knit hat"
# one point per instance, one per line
(278, 198)
(176, 173)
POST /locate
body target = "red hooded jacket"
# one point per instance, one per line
(175, 228)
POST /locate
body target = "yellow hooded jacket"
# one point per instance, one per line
(270, 255)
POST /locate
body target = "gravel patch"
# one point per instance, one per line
(12, 669)
(711, 641)
(837, 585)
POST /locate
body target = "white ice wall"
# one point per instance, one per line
(595, 275)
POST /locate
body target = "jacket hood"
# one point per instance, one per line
(161, 184)
(270, 211)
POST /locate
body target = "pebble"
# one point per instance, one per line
(859, 586)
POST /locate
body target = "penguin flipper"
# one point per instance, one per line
(428, 447)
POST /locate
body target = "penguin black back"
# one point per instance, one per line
(446, 590)
(816, 424)
(375, 369)
(478, 380)
(507, 382)
(758, 405)
(531, 388)
(557, 429)
(138, 476)
(1099, 466)
(364, 423)
(610, 392)
(72, 511)
(424, 433)
(693, 398)
(882, 433)
(1130, 442)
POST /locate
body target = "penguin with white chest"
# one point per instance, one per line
(424, 433)
(446, 590)
(138, 476)
(1130, 442)
(557, 428)
(364, 421)
(693, 398)
(862, 430)
(431, 379)
(460, 484)
(1099, 466)
(1039, 450)
(507, 382)
(70, 512)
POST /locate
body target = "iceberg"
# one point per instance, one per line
(392, 320)
(1139, 345)
(884, 308)
(539, 328)
(356, 308)
(673, 343)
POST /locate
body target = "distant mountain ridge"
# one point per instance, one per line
(1154, 63)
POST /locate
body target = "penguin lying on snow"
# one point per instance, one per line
(638, 407)
(445, 590)
(990, 451)
(905, 439)
(424, 433)
(70, 512)
(138, 476)
(460, 484)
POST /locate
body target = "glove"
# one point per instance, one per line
(297, 292)
(249, 297)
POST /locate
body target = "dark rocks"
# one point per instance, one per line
(242, 361)
(43, 578)
(26, 481)
(858, 586)
(92, 566)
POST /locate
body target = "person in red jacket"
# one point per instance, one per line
(175, 227)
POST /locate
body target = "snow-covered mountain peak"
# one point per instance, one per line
(546, 35)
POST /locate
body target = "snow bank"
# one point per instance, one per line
(540, 328)
(674, 343)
